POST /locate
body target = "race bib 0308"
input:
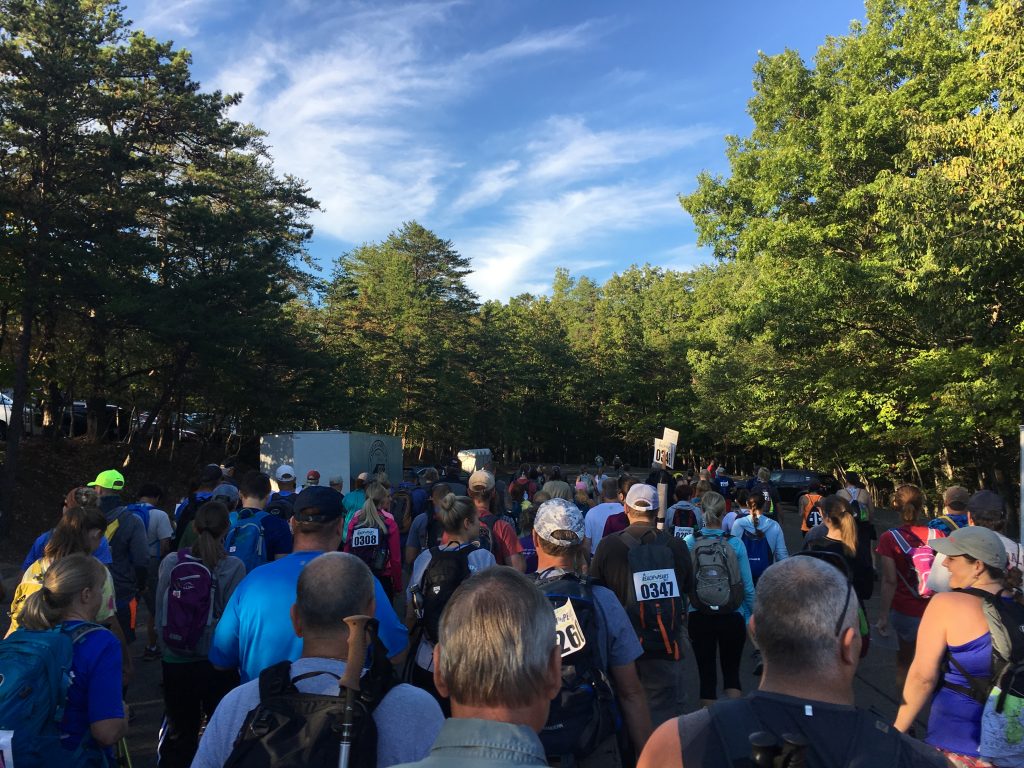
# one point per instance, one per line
(655, 585)
(682, 531)
(365, 537)
(568, 629)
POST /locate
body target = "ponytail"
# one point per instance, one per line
(211, 522)
(370, 514)
(909, 502)
(61, 584)
(838, 512)
(755, 503)
(71, 536)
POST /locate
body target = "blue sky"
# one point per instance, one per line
(532, 133)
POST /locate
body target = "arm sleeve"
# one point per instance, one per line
(392, 632)
(224, 650)
(104, 685)
(163, 526)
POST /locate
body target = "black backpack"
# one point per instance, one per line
(370, 544)
(487, 538)
(447, 569)
(184, 521)
(435, 531)
(290, 728)
(584, 714)
(401, 508)
(281, 506)
(655, 604)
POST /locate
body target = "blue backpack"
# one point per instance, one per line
(759, 553)
(142, 510)
(245, 539)
(35, 674)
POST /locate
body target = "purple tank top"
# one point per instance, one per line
(955, 720)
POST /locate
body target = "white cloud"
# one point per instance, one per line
(514, 256)
(178, 17)
(487, 186)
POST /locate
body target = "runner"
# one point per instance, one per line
(755, 528)
(272, 541)
(209, 479)
(504, 542)
(373, 537)
(354, 500)
(596, 518)
(76, 497)
(841, 538)
(158, 534)
(985, 509)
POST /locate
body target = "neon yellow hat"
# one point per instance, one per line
(110, 479)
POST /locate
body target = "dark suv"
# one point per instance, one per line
(792, 483)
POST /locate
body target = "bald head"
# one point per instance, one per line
(331, 588)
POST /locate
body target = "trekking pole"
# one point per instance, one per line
(662, 504)
(349, 682)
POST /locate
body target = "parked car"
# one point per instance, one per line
(793, 483)
(5, 414)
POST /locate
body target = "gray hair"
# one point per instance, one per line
(331, 588)
(496, 637)
(764, 474)
(558, 489)
(713, 506)
(796, 608)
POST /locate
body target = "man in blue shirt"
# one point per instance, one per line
(254, 631)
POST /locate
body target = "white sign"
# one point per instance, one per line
(655, 585)
(664, 452)
(682, 531)
(568, 629)
(670, 436)
(365, 537)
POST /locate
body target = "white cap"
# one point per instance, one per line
(642, 497)
(285, 473)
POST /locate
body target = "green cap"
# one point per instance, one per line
(110, 479)
(977, 542)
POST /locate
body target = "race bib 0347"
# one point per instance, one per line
(655, 585)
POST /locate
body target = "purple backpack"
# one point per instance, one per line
(188, 608)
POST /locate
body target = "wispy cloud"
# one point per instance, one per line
(487, 186)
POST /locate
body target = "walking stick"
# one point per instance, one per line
(349, 682)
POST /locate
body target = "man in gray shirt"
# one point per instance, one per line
(332, 587)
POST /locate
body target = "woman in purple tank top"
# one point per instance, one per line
(954, 646)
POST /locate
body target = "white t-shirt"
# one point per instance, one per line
(159, 528)
(593, 523)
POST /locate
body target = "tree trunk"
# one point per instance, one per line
(20, 397)
(52, 411)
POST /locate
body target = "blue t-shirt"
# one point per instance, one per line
(95, 692)
(255, 632)
(102, 553)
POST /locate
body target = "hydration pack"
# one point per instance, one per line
(583, 714)
(370, 544)
(188, 604)
(142, 512)
(812, 512)
(921, 558)
(447, 569)
(684, 519)
(281, 505)
(655, 605)
(35, 675)
(289, 729)
(401, 508)
(759, 553)
(718, 583)
(245, 540)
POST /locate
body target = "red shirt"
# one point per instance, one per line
(904, 601)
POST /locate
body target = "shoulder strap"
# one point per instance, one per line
(83, 629)
(276, 680)
(900, 541)
(631, 541)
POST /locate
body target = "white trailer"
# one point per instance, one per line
(332, 453)
(472, 459)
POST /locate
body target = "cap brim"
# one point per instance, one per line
(947, 547)
(93, 485)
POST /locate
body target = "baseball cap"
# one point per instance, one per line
(110, 479)
(285, 473)
(642, 497)
(559, 516)
(956, 498)
(363, 476)
(211, 474)
(226, 493)
(313, 477)
(318, 504)
(336, 480)
(986, 501)
(481, 481)
(720, 471)
(580, 485)
(980, 543)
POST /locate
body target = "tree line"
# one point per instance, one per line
(864, 309)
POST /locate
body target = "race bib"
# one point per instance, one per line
(683, 531)
(568, 629)
(365, 537)
(655, 585)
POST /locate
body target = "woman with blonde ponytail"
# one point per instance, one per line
(378, 541)
(69, 597)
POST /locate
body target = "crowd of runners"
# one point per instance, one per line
(447, 620)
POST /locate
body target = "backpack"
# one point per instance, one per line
(858, 510)
(435, 531)
(948, 523)
(401, 508)
(921, 558)
(718, 583)
(281, 506)
(35, 675)
(1006, 624)
(487, 539)
(684, 519)
(184, 531)
(447, 569)
(188, 606)
(370, 544)
(142, 511)
(759, 553)
(812, 513)
(655, 605)
(289, 728)
(245, 539)
(583, 714)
